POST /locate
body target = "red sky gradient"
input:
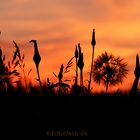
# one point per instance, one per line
(59, 25)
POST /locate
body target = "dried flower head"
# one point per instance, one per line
(81, 59)
(36, 57)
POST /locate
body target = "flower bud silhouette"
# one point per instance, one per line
(76, 57)
(93, 43)
(80, 64)
(36, 59)
(81, 60)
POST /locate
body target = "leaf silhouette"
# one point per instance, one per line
(55, 75)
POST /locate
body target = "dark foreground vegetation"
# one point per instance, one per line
(107, 69)
(29, 111)
(100, 116)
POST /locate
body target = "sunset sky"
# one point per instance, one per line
(58, 25)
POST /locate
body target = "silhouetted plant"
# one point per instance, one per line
(93, 43)
(37, 59)
(109, 69)
(76, 58)
(137, 76)
(21, 63)
(80, 64)
(48, 88)
(63, 87)
(8, 72)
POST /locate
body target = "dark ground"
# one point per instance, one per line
(98, 117)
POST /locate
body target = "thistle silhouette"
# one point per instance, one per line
(137, 76)
(93, 43)
(36, 59)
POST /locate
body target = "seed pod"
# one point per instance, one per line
(81, 59)
(36, 57)
(93, 42)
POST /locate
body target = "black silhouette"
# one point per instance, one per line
(135, 89)
(80, 64)
(21, 64)
(61, 84)
(76, 57)
(37, 59)
(8, 73)
(93, 43)
(109, 69)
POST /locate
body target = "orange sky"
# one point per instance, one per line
(59, 25)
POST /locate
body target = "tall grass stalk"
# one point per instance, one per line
(93, 43)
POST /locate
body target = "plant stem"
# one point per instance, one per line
(25, 81)
(106, 87)
(39, 77)
(81, 77)
(91, 71)
(76, 72)
(135, 85)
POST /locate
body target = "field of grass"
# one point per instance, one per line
(107, 69)
(29, 110)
